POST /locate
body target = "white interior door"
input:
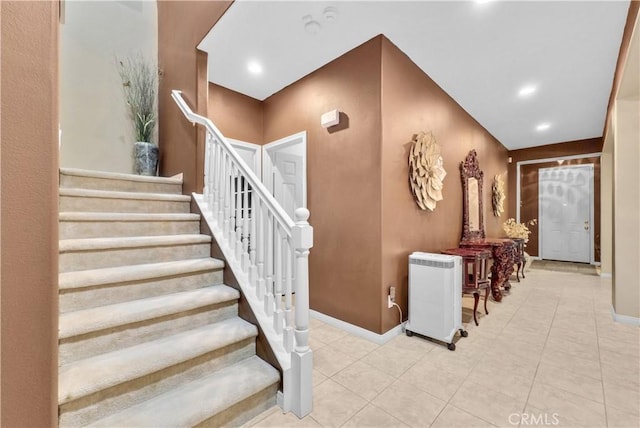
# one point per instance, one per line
(285, 171)
(566, 213)
(250, 153)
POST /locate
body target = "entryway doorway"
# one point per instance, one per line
(566, 204)
(282, 166)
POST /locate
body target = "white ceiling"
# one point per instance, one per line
(480, 53)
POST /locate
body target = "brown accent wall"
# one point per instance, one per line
(29, 215)
(529, 182)
(343, 180)
(412, 102)
(236, 115)
(181, 26)
(634, 8)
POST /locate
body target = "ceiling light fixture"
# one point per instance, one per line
(543, 126)
(311, 26)
(330, 14)
(527, 90)
(254, 67)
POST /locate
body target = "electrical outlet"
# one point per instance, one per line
(391, 298)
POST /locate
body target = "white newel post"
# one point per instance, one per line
(302, 357)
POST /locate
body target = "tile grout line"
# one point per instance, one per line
(526, 401)
(604, 396)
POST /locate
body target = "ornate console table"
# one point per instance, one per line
(503, 252)
(520, 260)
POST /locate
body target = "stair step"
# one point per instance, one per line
(95, 387)
(89, 332)
(102, 180)
(97, 287)
(94, 253)
(76, 225)
(113, 201)
(198, 401)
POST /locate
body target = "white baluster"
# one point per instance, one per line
(232, 207)
(278, 316)
(268, 301)
(245, 226)
(239, 220)
(253, 240)
(221, 191)
(302, 357)
(215, 173)
(261, 288)
(227, 196)
(206, 192)
(288, 296)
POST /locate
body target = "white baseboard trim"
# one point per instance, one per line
(596, 263)
(606, 275)
(625, 319)
(379, 339)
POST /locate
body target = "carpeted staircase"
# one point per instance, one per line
(148, 335)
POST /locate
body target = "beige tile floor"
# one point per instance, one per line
(549, 354)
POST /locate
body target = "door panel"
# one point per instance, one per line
(287, 181)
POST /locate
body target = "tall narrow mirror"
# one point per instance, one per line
(472, 209)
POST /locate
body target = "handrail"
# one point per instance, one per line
(281, 216)
(268, 253)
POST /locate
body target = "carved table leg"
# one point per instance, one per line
(518, 272)
(495, 281)
(486, 297)
(476, 297)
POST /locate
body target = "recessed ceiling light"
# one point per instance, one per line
(543, 126)
(526, 91)
(254, 67)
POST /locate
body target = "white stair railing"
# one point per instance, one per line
(268, 253)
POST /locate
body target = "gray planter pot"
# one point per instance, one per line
(146, 158)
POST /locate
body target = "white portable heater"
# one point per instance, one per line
(435, 297)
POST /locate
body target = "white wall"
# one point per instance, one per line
(626, 220)
(96, 133)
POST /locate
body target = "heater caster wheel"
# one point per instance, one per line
(451, 346)
(409, 333)
(464, 333)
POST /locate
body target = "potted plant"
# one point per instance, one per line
(140, 86)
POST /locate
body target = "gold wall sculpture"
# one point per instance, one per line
(498, 195)
(426, 170)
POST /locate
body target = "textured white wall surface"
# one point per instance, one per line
(96, 133)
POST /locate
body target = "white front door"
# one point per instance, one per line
(285, 171)
(566, 213)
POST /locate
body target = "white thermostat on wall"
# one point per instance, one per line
(330, 118)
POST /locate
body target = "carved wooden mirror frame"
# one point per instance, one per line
(470, 169)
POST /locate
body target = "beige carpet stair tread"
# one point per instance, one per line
(103, 317)
(110, 194)
(120, 176)
(94, 374)
(195, 402)
(94, 277)
(102, 216)
(67, 245)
